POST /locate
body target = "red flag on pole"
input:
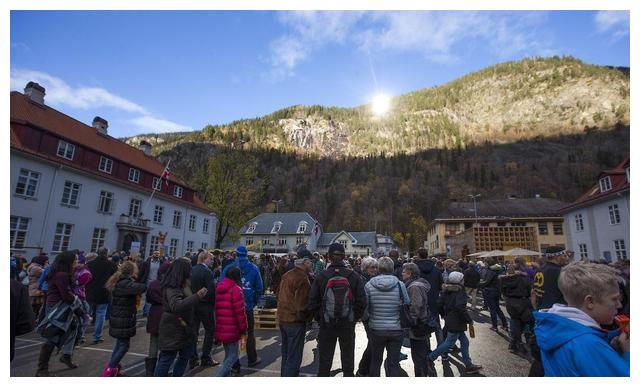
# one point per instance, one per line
(166, 173)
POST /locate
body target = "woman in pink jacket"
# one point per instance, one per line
(231, 320)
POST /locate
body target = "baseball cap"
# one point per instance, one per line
(336, 249)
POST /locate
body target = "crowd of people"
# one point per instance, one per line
(568, 318)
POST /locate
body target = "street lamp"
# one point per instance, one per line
(475, 208)
(277, 202)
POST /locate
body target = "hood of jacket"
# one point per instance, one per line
(425, 265)
(225, 285)
(561, 323)
(384, 282)
(451, 287)
(421, 283)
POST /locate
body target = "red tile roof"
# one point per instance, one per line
(24, 111)
(619, 183)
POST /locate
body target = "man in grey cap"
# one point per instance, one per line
(338, 300)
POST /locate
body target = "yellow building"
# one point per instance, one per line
(502, 224)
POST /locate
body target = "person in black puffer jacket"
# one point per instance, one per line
(517, 292)
(122, 318)
(491, 290)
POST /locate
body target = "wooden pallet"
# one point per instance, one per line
(265, 318)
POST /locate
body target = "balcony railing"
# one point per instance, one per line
(133, 221)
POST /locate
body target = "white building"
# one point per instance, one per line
(280, 232)
(598, 222)
(75, 187)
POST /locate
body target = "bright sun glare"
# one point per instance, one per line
(380, 104)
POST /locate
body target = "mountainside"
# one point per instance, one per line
(500, 104)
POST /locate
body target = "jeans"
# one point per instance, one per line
(492, 298)
(230, 358)
(393, 344)
(473, 294)
(327, 338)
(204, 314)
(166, 358)
(145, 309)
(440, 339)
(101, 312)
(121, 348)
(420, 349)
(252, 354)
(292, 346)
(365, 361)
(451, 339)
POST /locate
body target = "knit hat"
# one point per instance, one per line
(455, 277)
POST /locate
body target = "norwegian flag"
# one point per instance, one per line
(166, 174)
(316, 229)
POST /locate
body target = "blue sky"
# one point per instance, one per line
(162, 71)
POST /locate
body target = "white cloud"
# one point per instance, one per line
(59, 92)
(617, 22)
(149, 124)
(434, 34)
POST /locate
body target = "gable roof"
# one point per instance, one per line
(508, 208)
(619, 183)
(290, 222)
(366, 238)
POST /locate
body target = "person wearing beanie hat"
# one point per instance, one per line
(453, 306)
(253, 288)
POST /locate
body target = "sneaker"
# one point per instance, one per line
(66, 359)
(109, 372)
(256, 362)
(403, 356)
(504, 328)
(495, 329)
(473, 369)
(209, 363)
(98, 341)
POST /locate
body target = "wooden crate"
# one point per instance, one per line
(265, 318)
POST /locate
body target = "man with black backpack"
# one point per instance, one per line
(338, 300)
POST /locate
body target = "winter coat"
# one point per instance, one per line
(34, 271)
(433, 276)
(491, 283)
(471, 278)
(251, 280)
(202, 277)
(82, 278)
(546, 286)
(517, 292)
(453, 307)
(418, 290)
(231, 318)
(22, 319)
(60, 289)
(176, 323)
(293, 297)
(101, 269)
(154, 297)
(122, 315)
(385, 296)
(573, 344)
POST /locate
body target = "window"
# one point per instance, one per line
(27, 183)
(252, 228)
(276, 227)
(485, 224)
(177, 191)
(605, 184)
(19, 228)
(98, 238)
(189, 245)
(614, 214)
(158, 212)
(66, 150)
(519, 224)
(583, 251)
(302, 228)
(192, 222)
(134, 208)
(204, 245)
(105, 201)
(105, 164)
(154, 244)
(282, 241)
(579, 223)
(557, 228)
(248, 241)
(266, 242)
(344, 244)
(173, 247)
(177, 219)
(62, 237)
(157, 183)
(621, 250)
(134, 175)
(300, 240)
(542, 229)
(70, 193)
(205, 226)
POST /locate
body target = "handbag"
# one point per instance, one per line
(405, 315)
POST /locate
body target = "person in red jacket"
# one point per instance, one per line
(231, 320)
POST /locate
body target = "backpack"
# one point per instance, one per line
(337, 303)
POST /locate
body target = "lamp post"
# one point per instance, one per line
(277, 202)
(475, 208)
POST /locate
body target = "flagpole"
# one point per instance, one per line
(154, 188)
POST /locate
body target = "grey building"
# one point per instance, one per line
(280, 232)
(355, 243)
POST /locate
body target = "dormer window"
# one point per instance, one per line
(276, 227)
(66, 150)
(605, 184)
(252, 228)
(134, 175)
(302, 228)
(105, 164)
(177, 191)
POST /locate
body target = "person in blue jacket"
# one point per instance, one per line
(253, 289)
(570, 337)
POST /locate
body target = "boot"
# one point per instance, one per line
(66, 359)
(109, 372)
(43, 360)
(150, 365)
(120, 373)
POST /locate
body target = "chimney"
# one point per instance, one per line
(35, 91)
(145, 147)
(100, 124)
